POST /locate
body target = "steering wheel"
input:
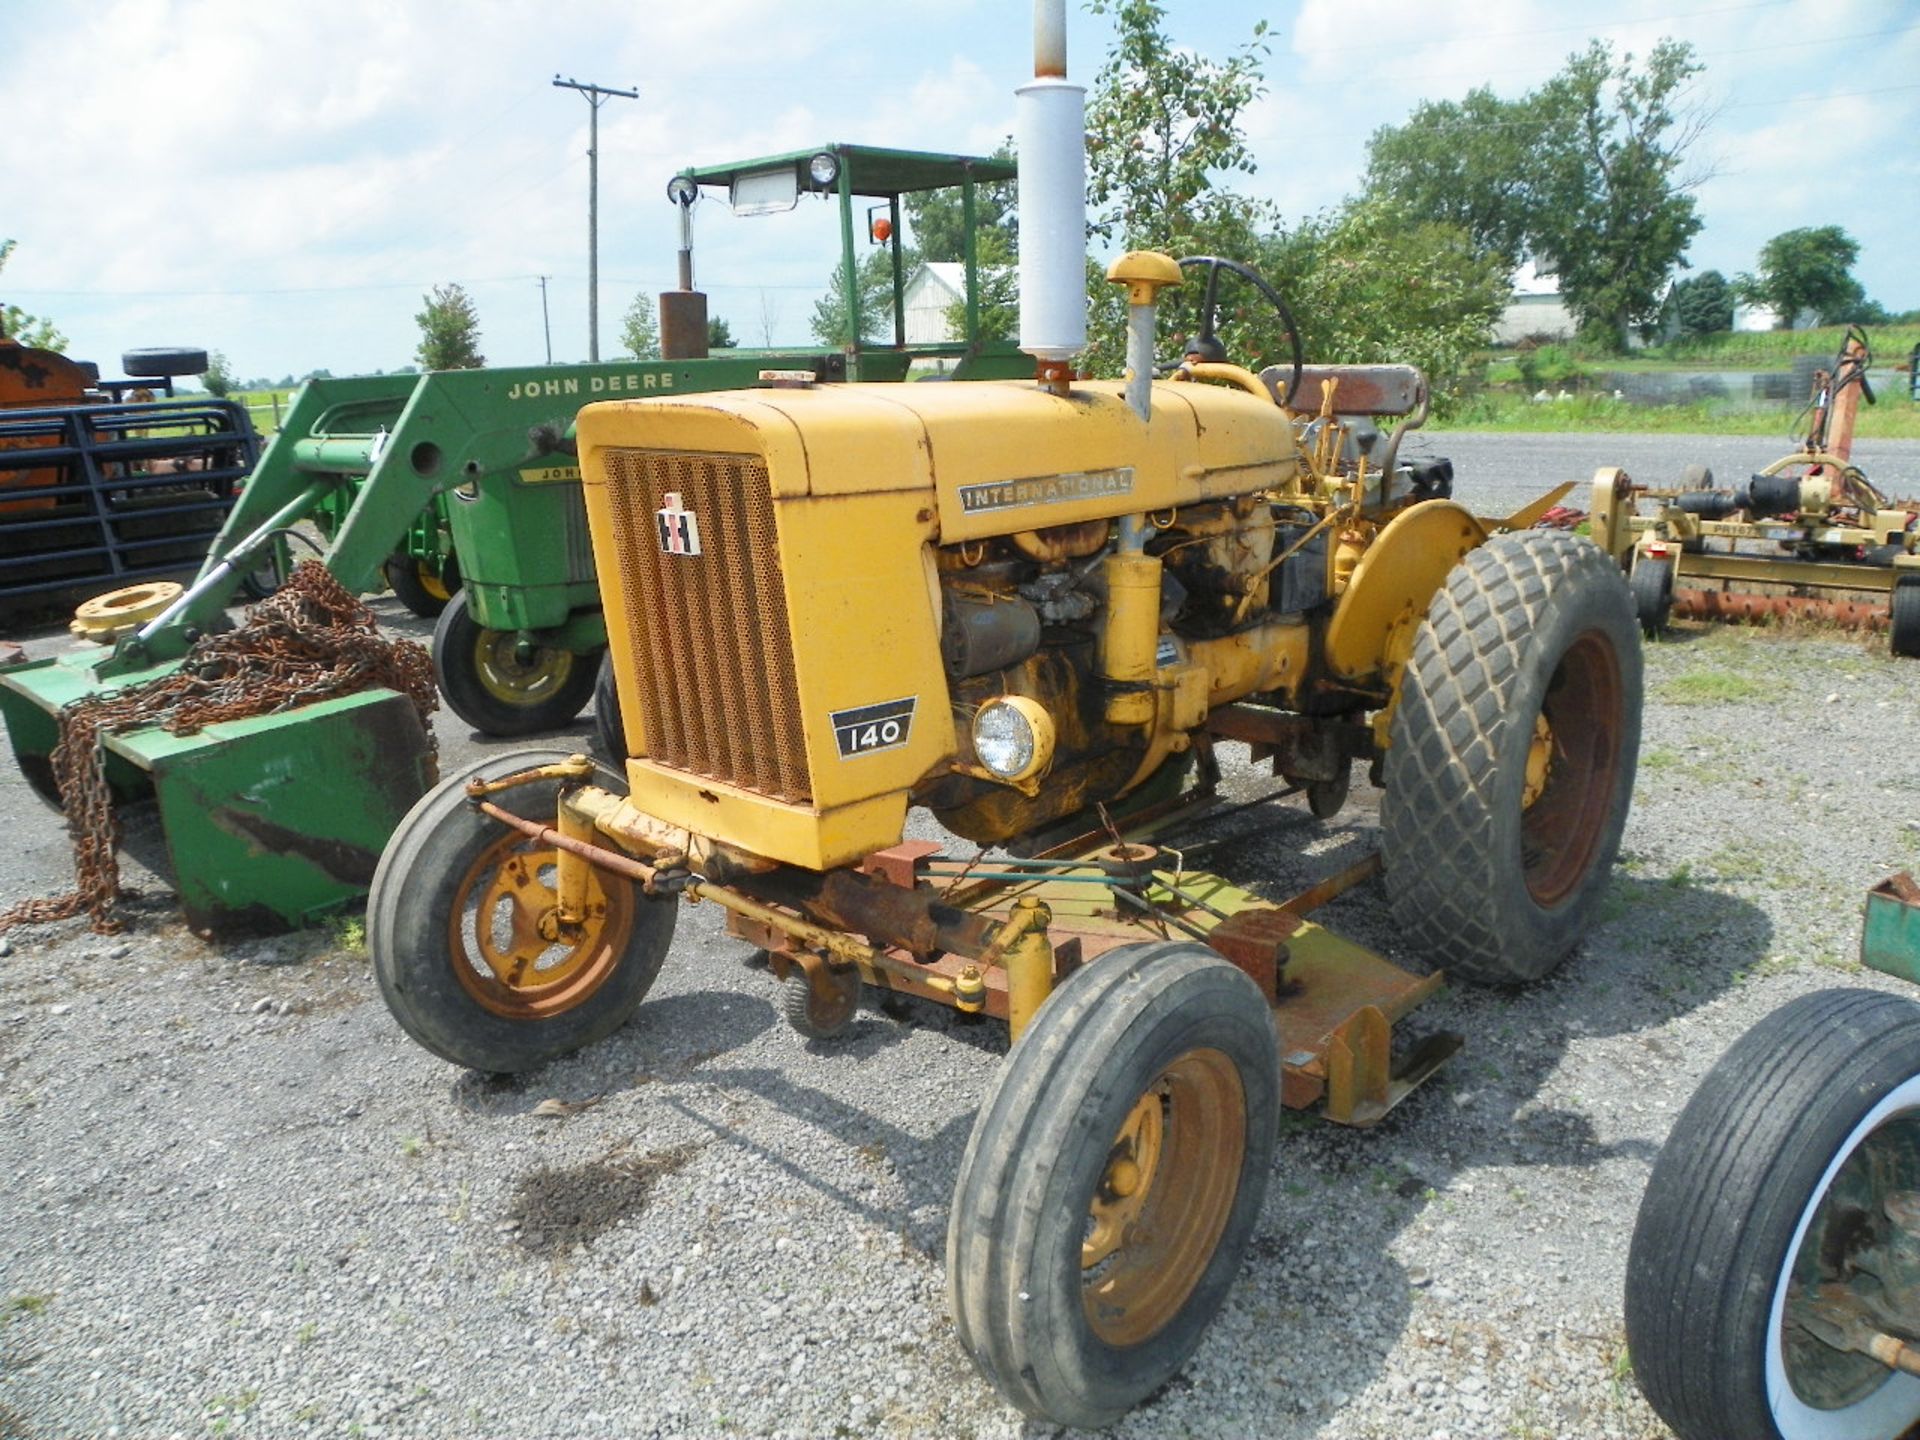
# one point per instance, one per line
(1209, 304)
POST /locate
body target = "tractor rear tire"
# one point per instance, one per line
(1903, 631)
(1112, 1181)
(1511, 756)
(1651, 582)
(456, 900)
(487, 685)
(420, 585)
(1752, 1193)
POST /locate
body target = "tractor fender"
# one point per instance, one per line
(1371, 634)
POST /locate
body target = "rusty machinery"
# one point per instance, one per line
(1808, 535)
(103, 484)
(1037, 609)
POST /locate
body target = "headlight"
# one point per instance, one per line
(681, 190)
(1013, 737)
(823, 169)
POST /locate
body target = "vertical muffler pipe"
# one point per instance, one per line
(1050, 129)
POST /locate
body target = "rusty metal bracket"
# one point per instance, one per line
(574, 767)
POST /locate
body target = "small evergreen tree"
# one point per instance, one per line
(449, 331)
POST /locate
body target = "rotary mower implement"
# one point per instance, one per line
(1808, 536)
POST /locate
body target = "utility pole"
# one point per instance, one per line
(546, 325)
(596, 95)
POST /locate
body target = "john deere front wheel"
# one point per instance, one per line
(467, 943)
(1511, 756)
(1112, 1181)
(501, 685)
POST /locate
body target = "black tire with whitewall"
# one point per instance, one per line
(1112, 1181)
(1511, 757)
(453, 925)
(1783, 1175)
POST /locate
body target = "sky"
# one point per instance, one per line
(283, 182)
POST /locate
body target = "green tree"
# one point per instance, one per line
(936, 219)
(1703, 304)
(719, 334)
(1582, 174)
(999, 290)
(218, 377)
(1809, 269)
(639, 330)
(874, 276)
(1163, 129)
(449, 331)
(17, 324)
(1466, 163)
(1161, 124)
(1612, 219)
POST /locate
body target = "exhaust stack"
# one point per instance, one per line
(1050, 130)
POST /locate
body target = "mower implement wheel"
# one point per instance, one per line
(1651, 582)
(1783, 1212)
(1112, 1181)
(463, 927)
(1511, 756)
(606, 712)
(421, 585)
(815, 1016)
(1904, 632)
(497, 687)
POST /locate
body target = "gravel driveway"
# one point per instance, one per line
(238, 1201)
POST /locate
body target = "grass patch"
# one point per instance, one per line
(1710, 687)
(1761, 349)
(1895, 418)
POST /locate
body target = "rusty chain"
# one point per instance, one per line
(310, 641)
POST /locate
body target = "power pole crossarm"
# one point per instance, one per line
(596, 96)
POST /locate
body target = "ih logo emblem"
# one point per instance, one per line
(679, 527)
(873, 727)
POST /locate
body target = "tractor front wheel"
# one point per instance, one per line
(1780, 1232)
(1112, 1181)
(1511, 756)
(500, 686)
(463, 927)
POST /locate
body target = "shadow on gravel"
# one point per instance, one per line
(926, 1168)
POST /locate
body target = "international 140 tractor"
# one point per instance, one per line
(1035, 608)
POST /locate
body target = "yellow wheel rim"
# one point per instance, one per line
(507, 946)
(1163, 1198)
(430, 581)
(513, 681)
(1539, 762)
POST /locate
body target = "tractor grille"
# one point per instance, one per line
(709, 632)
(579, 537)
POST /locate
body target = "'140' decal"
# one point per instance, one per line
(873, 727)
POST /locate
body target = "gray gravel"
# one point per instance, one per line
(238, 1201)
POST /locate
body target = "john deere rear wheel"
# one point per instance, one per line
(1512, 753)
(1112, 1181)
(500, 688)
(462, 927)
(423, 586)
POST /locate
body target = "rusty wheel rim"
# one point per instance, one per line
(506, 945)
(1580, 723)
(1163, 1197)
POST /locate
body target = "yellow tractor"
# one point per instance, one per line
(1035, 609)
